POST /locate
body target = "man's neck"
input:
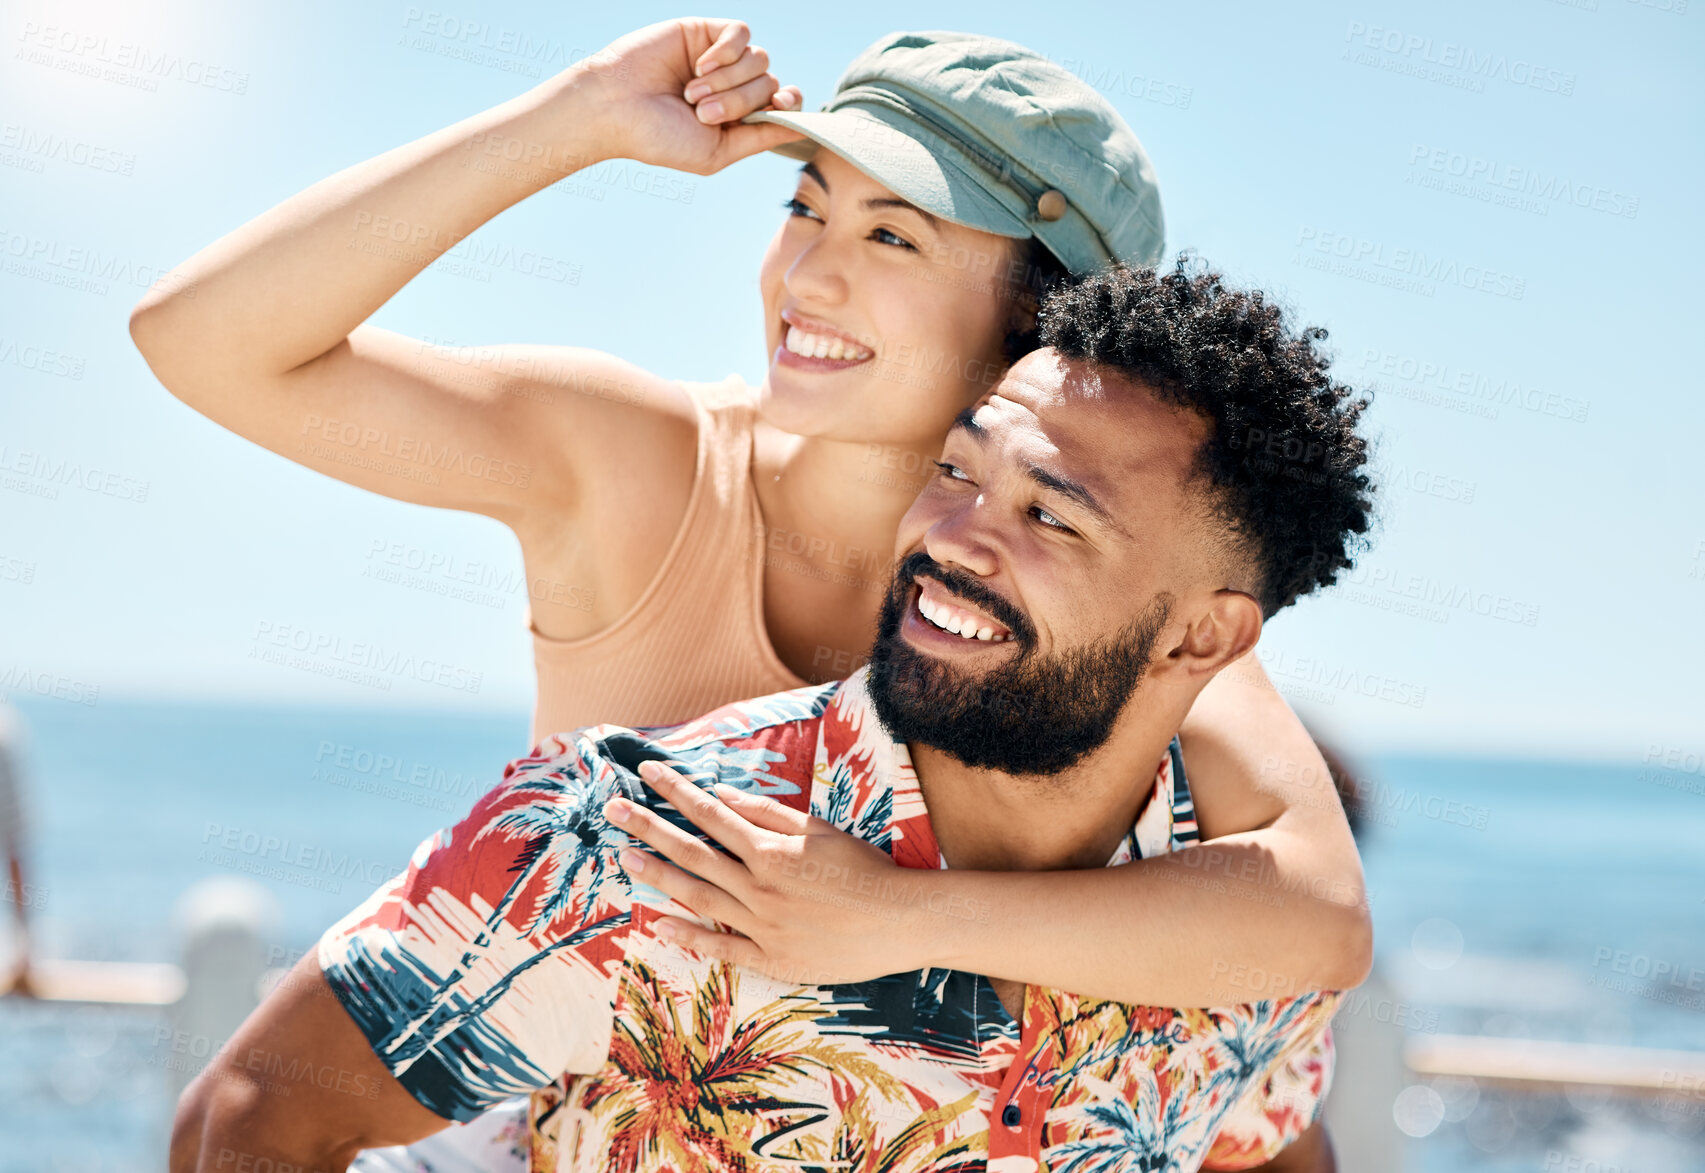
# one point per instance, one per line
(990, 821)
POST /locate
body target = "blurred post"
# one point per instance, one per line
(1370, 1072)
(15, 979)
(225, 923)
(1367, 1081)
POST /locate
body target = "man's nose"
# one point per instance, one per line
(963, 538)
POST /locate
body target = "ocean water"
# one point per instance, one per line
(1521, 898)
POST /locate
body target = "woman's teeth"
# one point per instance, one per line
(824, 346)
(961, 625)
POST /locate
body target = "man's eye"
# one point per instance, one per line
(889, 238)
(951, 471)
(797, 207)
(1049, 520)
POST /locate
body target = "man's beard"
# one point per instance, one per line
(1034, 715)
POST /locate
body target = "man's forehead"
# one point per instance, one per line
(1086, 409)
(1042, 380)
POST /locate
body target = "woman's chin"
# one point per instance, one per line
(813, 405)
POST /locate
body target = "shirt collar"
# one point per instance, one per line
(864, 783)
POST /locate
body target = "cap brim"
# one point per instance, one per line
(897, 154)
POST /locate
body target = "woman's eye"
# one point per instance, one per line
(1049, 520)
(889, 238)
(797, 207)
(951, 471)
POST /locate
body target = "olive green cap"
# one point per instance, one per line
(988, 134)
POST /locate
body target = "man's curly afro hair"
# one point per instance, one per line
(1284, 460)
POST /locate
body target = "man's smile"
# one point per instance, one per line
(935, 618)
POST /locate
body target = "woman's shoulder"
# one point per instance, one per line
(609, 406)
(593, 388)
(642, 442)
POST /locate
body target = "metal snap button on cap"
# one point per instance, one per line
(1051, 205)
(1011, 1116)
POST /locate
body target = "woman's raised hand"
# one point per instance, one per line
(674, 94)
(807, 902)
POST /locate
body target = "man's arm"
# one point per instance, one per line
(298, 1085)
(482, 971)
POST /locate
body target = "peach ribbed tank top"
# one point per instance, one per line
(695, 639)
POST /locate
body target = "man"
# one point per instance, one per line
(1103, 516)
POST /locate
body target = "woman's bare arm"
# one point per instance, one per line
(264, 330)
(1272, 905)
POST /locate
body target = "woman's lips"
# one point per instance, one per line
(806, 346)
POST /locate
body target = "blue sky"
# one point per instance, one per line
(1493, 209)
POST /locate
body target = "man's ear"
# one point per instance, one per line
(1227, 629)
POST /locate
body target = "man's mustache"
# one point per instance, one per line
(919, 564)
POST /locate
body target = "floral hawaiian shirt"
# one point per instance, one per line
(515, 953)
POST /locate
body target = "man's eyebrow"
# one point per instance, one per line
(1051, 481)
(1067, 487)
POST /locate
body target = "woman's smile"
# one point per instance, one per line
(808, 344)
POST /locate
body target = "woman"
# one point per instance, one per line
(712, 528)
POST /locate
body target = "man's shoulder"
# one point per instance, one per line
(764, 744)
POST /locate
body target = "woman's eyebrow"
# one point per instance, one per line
(875, 202)
(894, 202)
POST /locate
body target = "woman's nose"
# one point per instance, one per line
(817, 273)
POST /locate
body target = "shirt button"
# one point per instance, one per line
(1011, 1116)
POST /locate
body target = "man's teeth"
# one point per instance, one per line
(824, 346)
(961, 625)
